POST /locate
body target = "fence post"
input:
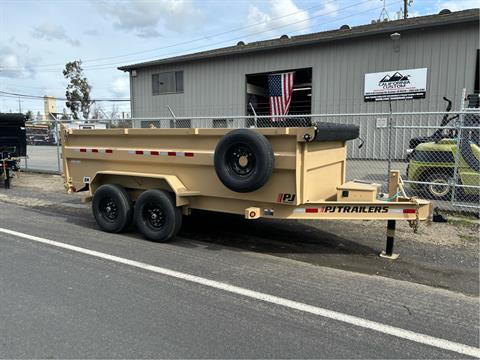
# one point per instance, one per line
(254, 114)
(459, 126)
(390, 134)
(57, 137)
(174, 117)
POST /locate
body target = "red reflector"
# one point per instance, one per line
(109, 151)
(83, 150)
(409, 211)
(189, 154)
(172, 153)
(138, 152)
(95, 150)
(154, 153)
(311, 210)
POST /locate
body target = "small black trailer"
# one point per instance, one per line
(13, 145)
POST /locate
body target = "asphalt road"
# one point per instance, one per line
(61, 303)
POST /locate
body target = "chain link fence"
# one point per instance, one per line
(437, 153)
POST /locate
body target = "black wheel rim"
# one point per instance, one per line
(240, 160)
(154, 216)
(109, 209)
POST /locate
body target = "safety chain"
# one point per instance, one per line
(414, 223)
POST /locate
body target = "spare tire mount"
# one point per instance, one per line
(244, 160)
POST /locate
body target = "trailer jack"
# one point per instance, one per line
(388, 252)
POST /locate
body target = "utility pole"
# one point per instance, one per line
(19, 106)
(405, 9)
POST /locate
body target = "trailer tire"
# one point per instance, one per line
(112, 208)
(156, 215)
(244, 160)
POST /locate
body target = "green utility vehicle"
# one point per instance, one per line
(431, 165)
(434, 163)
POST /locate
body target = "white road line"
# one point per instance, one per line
(349, 319)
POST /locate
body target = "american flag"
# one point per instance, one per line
(280, 93)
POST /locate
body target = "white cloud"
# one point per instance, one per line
(328, 9)
(15, 60)
(145, 16)
(91, 32)
(275, 17)
(120, 87)
(148, 33)
(50, 31)
(455, 5)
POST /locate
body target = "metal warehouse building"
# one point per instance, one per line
(332, 71)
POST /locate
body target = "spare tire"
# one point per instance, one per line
(244, 160)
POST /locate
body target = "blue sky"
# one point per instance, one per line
(38, 37)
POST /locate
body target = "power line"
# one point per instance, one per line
(206, 37)
(39, 97)
(108, 65)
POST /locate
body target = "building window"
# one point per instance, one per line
(167, 82)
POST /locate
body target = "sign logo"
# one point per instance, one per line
(286, 198)
(396, 85)
(397, 80)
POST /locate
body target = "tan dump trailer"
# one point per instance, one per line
(155, 176)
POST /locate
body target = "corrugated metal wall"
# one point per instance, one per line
(218, 86)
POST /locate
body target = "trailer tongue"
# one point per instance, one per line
(154, 176)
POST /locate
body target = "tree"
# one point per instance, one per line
(98, 112)
(78, 90)
(114, 114)
(29, 115)
(65, 116)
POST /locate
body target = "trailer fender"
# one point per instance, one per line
(139, 182)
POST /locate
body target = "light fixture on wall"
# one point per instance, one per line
(396, 41)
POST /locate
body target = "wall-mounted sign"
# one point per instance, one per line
(396, 85)
(382, 122)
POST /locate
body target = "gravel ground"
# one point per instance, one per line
(444, 255)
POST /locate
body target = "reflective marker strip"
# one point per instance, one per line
(137, 152)
(94, 150)
(402, 211)
(308, 210)
(160, 153)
